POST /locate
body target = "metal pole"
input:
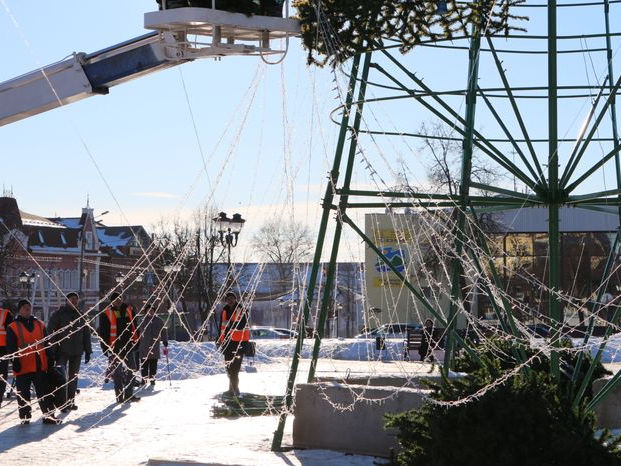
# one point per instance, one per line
(312, 281)
(228, 258)
(554, 196)
(340, 212)
(464, 191)
(613, 106)
(339, 226)
(199, 277)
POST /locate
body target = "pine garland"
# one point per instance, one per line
(334, 30)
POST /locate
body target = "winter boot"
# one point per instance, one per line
(51, 419)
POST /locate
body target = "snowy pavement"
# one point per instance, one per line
(172, 423)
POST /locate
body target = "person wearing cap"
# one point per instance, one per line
(70, 338)
(152, 331)
(233, 338)
(5, 319)
(119, 339)
(25, 341)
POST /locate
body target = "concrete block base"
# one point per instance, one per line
(349, 418)
(608, 411)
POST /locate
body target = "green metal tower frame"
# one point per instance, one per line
(552, 189)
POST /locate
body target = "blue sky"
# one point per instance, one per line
(263, 131)
(141, 136)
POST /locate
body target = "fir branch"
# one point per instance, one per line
(334, 30)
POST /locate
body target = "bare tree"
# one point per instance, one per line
(178, 246)
(284, 244)
(443, 153)
(191, 244)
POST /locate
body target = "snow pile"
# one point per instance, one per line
(612, 351)
(190, 360)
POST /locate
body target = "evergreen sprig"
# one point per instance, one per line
(334, 30)
(527, 419)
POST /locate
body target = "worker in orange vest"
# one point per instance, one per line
(31, 359)
(5, 319)
(233, 339)
(119, 341)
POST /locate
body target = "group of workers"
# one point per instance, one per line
(35, 349)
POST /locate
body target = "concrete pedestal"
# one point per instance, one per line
(349, 418)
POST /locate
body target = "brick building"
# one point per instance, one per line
(48, 255)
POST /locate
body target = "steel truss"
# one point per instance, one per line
(549, 184)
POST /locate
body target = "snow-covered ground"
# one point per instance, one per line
(172, 423)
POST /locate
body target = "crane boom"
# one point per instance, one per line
(84, 75)
(81, 76)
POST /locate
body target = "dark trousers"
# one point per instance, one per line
(4, 373)
(71, 365)
(233, 357)
(123, 379)
(148, 368)
(23, 383)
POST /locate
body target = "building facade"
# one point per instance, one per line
(419, 246)
(43, 258)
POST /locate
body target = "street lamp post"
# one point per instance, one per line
(139, 279)
(337, 310)
(228, 233)
(27, 279)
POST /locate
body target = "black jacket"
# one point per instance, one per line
(74, 336)
(8, 320)
(11, 339)
(123, 344)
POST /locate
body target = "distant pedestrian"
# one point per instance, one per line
(152, 331)
(119, 340)
(5, 319)
(70, 338)
(233, 338)
(31, 360)
(425, 350)
(608, 307)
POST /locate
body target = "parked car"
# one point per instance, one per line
(287, 331)
(539, 330)
(265, 333)
(390, 331)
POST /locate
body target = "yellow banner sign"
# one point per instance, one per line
(390, 235)
(383, 281)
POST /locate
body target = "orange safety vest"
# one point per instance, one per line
(235, 335)
(110, 314)
(30, 340)
(4, 313)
